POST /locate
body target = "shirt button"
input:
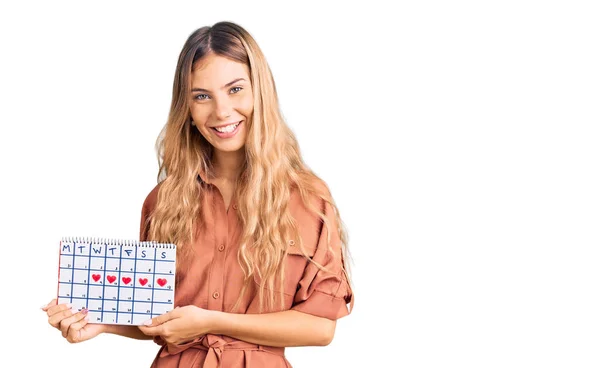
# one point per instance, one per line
(235, 206)
(221, 247)
(216, 295)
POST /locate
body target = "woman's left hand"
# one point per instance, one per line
(181, 324)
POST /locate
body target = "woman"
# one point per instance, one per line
(261, 247)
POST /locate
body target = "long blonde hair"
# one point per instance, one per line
(272, 167)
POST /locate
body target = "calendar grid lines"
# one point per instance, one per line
(73, 271)
(153, 281)
(118, 281)
(104, 281)
(87, 293)
(158, 260)
(141, 272)
(123, 300)
(108, 286)
(134, 279)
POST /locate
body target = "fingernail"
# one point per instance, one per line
(84, 311)
(87, 318)
(43, 306)
(148, 322)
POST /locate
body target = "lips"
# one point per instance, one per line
(224, 125)
(227, 135)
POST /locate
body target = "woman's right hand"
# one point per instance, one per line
(74, 326)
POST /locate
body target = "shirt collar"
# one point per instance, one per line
(203, 176)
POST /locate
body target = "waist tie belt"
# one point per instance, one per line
(214, 345)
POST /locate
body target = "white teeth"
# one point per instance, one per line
(228, 128)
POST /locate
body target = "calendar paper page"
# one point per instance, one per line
(119, 282)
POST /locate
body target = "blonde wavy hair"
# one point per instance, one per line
(272, 167)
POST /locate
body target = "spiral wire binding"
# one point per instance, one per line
(125, 242)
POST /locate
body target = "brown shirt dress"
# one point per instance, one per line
(214, 281)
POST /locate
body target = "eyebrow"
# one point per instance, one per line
(225, 86)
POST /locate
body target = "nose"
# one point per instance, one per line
(223, 108)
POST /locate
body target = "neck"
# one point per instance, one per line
(228, 165)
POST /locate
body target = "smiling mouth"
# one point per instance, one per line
(227, 129)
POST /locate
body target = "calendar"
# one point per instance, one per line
(124, 282)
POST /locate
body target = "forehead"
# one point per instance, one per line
(214, 71)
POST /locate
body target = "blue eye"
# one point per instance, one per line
(201, 97)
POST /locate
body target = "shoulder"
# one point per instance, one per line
(315, 191)
(310, 214)
(147, 209)
(151, 198)
(300, 208)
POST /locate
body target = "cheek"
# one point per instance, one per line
(200, 114)
(200, 117)
(247, 105)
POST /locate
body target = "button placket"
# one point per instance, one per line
(217, 277)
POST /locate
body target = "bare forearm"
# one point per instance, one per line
(287, 328)
(132, 332)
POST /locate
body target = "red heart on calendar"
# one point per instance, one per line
(126, 280)
(161, 282)
(96, 277)
(111, 278)
(143, 281)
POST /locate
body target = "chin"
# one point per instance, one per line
(232, 147)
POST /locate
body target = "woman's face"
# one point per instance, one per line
(221, 98)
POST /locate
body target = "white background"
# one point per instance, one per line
(459, 139)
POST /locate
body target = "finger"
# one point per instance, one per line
(151, 331)
(65, 324)
(76, 326)
(75, 330)
(58, 308)
(46, 306)
(162, 318)
(55, 319)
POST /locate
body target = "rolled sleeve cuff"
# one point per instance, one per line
(324, 305)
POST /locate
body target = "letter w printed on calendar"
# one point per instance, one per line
(124, 282)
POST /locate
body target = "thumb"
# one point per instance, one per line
(160, 319)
